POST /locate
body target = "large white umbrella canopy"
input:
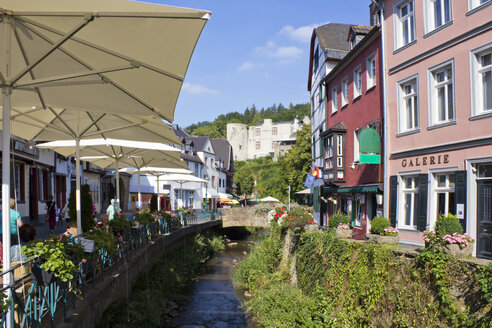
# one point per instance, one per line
(116, 153)
(158, 171)
(110, 56)
(107, 56)
(269, 199)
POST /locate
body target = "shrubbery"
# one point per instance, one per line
(447, 225)
(119, 224)
(378, 224)
(337, 219)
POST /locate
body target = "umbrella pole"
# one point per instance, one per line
(6, 196)
(77, 186)
(117, 186)
(182, 198)
(158, 200)
(139, 194)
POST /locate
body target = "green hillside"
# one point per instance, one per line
(251, 116)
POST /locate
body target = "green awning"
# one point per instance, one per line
(355, 189)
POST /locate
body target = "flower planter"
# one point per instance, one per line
(344, 233)
(455, 250)
(42, 277)
(379, 239)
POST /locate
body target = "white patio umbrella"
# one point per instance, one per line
(182, 178)
(269, 199)
(158, 171)
(109, 56)
(116, 153)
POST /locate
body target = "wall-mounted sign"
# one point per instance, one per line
(425, 160)
(460, 211)
(369, 146)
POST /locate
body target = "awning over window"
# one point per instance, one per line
(352, 189)
(369, 147)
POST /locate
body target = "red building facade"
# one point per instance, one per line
(354, 104)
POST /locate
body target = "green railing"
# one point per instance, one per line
(36, 305)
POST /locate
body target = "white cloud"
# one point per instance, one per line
(198, 89)
(284, 54)
(301, 34)
(246, 66)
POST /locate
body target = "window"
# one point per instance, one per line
(344, 92)
(356, 145)
(220, 182)
(481, 71)
(320, 94)
(213, 181)
(206, 161)
(196, 170)
(408, 117)
(212, 162)
(314, 147)
(17, 181)
(438, 13)
(441, 94)
(477, 3)
(334, 100)
(257, 146)
(339, 145)
(357, 82)
(329, 153)
(44, 184)
(371, 71)
(274, 131)
(409, 200)
(404, 24)
(257, 132)
(316, 59)
(444, 194)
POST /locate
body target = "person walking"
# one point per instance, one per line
(110, 210)
(15, 221)
(51, 213)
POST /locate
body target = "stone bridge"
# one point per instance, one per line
(243, 217)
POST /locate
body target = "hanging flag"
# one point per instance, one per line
(309, 181)
(317, 173)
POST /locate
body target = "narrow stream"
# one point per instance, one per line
(214, 302)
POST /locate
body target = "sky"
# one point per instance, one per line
(254, 52)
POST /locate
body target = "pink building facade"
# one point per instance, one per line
(439, 114)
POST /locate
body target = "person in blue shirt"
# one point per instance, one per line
(15, 221)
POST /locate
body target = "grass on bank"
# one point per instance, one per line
(344, 284)
(169, 279)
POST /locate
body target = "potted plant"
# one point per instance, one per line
(382, 232)
(103, 240)
(343, 231)
(340, 223)
(53, 259)
(448, 236)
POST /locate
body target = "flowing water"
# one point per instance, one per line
(214, 302)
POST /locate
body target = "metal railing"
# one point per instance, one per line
(36, 305)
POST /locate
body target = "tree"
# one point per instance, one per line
(153, 203)
(243, 178)
(297, 162)
(85, 207)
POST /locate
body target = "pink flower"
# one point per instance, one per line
(84, 260)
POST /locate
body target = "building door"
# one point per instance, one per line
(484, 217)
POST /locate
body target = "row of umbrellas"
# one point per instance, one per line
(75, 70)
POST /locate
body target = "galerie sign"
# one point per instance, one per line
(425, 160)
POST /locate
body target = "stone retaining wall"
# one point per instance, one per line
(90, 310)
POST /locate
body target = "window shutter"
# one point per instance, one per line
(422, 202)
(393, 199)
(321, 147)
(460, 194)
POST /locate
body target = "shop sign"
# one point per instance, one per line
(425, 160)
